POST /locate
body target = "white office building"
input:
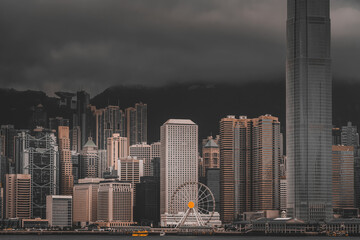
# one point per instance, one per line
(59, 210)
(178, 160)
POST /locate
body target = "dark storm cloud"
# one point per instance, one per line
(59, 44)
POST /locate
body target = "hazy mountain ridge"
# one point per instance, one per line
(205, 104)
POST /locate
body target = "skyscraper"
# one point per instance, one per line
(136, 124)
(115, 202)
(250, 151)
(117, 147)
(227, 176)
(66, 176)
(109, 120)
(85, 197)
(18, 196)
(141, 122)
(89, 160)
(343, 177)
(39, 158)
(309, 110)
(178, 160)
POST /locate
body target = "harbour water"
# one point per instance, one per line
(104, 237)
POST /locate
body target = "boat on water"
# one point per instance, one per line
(140, 233)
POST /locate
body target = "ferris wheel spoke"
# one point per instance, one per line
(205, 197)
(203, 210)
(200, 196)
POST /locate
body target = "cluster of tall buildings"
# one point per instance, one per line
(94, 165)
(40, 167)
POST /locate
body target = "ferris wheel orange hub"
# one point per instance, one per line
(191, 204)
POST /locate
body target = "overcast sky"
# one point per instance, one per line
(53, 45)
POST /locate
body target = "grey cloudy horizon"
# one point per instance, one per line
(76, 44)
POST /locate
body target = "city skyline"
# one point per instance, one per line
(274, 158)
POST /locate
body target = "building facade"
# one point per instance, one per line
(85, 198)
(115, 202)
(18, 196)
(66, 170)
(39, 157)
(178, 160)
(343, 177)
(109, 120)
(117, 147)
(89, 160)
(59, 210)
(211, 155)
(309, 110)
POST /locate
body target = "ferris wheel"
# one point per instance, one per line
(195, 202)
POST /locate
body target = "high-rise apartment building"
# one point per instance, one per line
(109, 120)
(227, 171)
(309, 110)
(178, 160)
(117, 147)
(136, 124)
(66, 174)
(343, 177)
(250, 151)
(18, 196)
(89, 160)
(59, 210)
(115, 202)
(85, 201)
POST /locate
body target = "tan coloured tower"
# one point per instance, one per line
(18, 196)
(117, 147)
(85, 201)
(66, 176)
(343, 177)
(250, 154)
(115, 202)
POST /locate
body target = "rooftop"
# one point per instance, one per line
(211, 144)
(180, 121)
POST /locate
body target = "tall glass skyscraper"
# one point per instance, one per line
(309, 110)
